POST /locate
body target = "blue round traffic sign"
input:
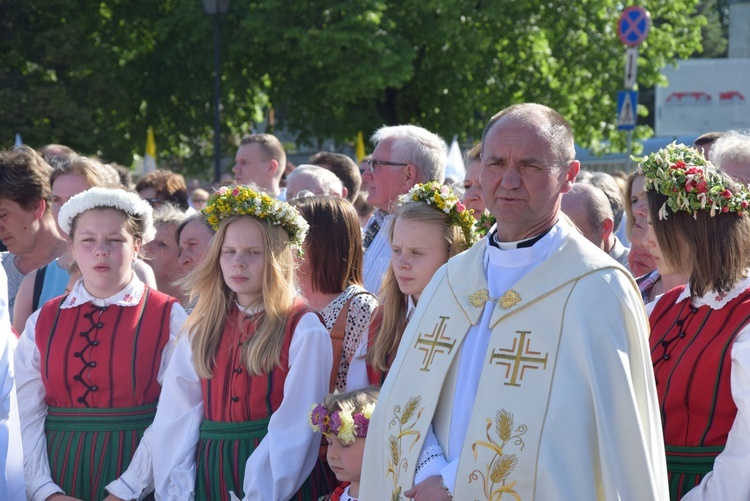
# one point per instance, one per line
(633, 26)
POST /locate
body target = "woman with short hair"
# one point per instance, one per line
(700, 332)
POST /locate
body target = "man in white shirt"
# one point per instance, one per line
(404, 156)
(525, 371)
(260, 161)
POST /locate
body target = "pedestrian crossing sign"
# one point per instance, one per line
(627, 100)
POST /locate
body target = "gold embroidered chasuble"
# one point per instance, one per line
(566, 403)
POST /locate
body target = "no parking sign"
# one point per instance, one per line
(633, 26)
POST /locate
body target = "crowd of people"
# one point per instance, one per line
(533, 331)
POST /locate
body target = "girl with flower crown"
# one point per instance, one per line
(344, 419)
(430, 225)
(700, 332)
(90, 363)
(232, 418)
(69, 178)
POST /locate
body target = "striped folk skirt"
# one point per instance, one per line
(221, 455)
(686, 467)
(89, 448)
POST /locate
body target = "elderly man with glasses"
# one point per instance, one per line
(404, 156)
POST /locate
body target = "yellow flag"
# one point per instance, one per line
(360, 149)
(149, 160)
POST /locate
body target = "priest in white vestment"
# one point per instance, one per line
(525, 371)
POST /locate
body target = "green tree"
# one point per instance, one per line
(716, 29)
(95, 77)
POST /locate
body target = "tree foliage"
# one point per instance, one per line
(96, 77)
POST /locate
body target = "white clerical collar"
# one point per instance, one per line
(519, 244)
(130, 295)
(714, 300)
(410, 307)
(525, 256)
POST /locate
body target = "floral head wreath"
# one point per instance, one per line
(485, 223)
(92, 198)
(689, 182)
(344, 425)
(444, 200)
(243, 201)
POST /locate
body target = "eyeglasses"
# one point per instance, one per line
(372, 163)
(155, 202)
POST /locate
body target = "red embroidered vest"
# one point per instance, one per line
(232, 394)
(691, 351)
(103, 357)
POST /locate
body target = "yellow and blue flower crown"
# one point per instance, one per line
(444, 200)
(689, 182)
(243, 201)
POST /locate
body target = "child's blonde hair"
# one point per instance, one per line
(392, 300)
(353, 401)
(215, 300)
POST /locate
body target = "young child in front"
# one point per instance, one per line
(430, 226)
(232, 421)
(344, 418)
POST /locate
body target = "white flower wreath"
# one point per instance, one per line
(92, 198)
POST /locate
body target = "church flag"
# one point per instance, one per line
(360, 150)
(149, 160)
(454, 168)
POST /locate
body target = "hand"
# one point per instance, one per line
(61, 497)
(112, 497)
(430, 489)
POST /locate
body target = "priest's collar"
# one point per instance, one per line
(520, 244)
(130, 295)
(411, 305)
(525, 255)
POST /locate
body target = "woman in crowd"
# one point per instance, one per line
(700, 337)
(640, 260)
(330, 277)
(430, 226)
(233, 416)
(89, 364)
(473, 197)
(27, 227)
(663, 276)
(161, 187)
(69, 178)
(163, 252)
(193, 236)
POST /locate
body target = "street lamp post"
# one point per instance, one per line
(215, 8)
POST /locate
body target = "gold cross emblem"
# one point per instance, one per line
(435, 343)
(520, 357)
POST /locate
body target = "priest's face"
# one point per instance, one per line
(419, 249)
(522, 178)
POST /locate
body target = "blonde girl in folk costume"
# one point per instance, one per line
(430, 226)
(233, 416)
(344, 419)
(89, 364)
